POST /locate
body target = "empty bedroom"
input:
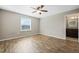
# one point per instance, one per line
(39, 28)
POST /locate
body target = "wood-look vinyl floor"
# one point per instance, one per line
(39, 44)
(72, 39)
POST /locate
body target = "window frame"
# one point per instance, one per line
(21, 24)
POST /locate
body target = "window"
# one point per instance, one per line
(25, 23)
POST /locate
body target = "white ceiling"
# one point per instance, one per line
(27, 10)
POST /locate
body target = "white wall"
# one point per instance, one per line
(10, 24)
(55, 25)
(0, 24)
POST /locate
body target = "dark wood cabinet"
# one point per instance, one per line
(72, 33)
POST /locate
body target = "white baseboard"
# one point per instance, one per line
(64, 38)
(17, 37)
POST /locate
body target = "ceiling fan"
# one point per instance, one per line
(39, 9)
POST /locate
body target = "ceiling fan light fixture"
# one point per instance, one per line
(39, 9)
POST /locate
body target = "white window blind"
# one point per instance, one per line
(25, 23)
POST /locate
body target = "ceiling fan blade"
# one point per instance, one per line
(40, 13)
(44, 10)
(38, 8)
(34, 11)
(42, 6)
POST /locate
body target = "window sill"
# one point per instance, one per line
(25, 30)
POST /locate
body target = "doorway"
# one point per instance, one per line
(72, 27)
